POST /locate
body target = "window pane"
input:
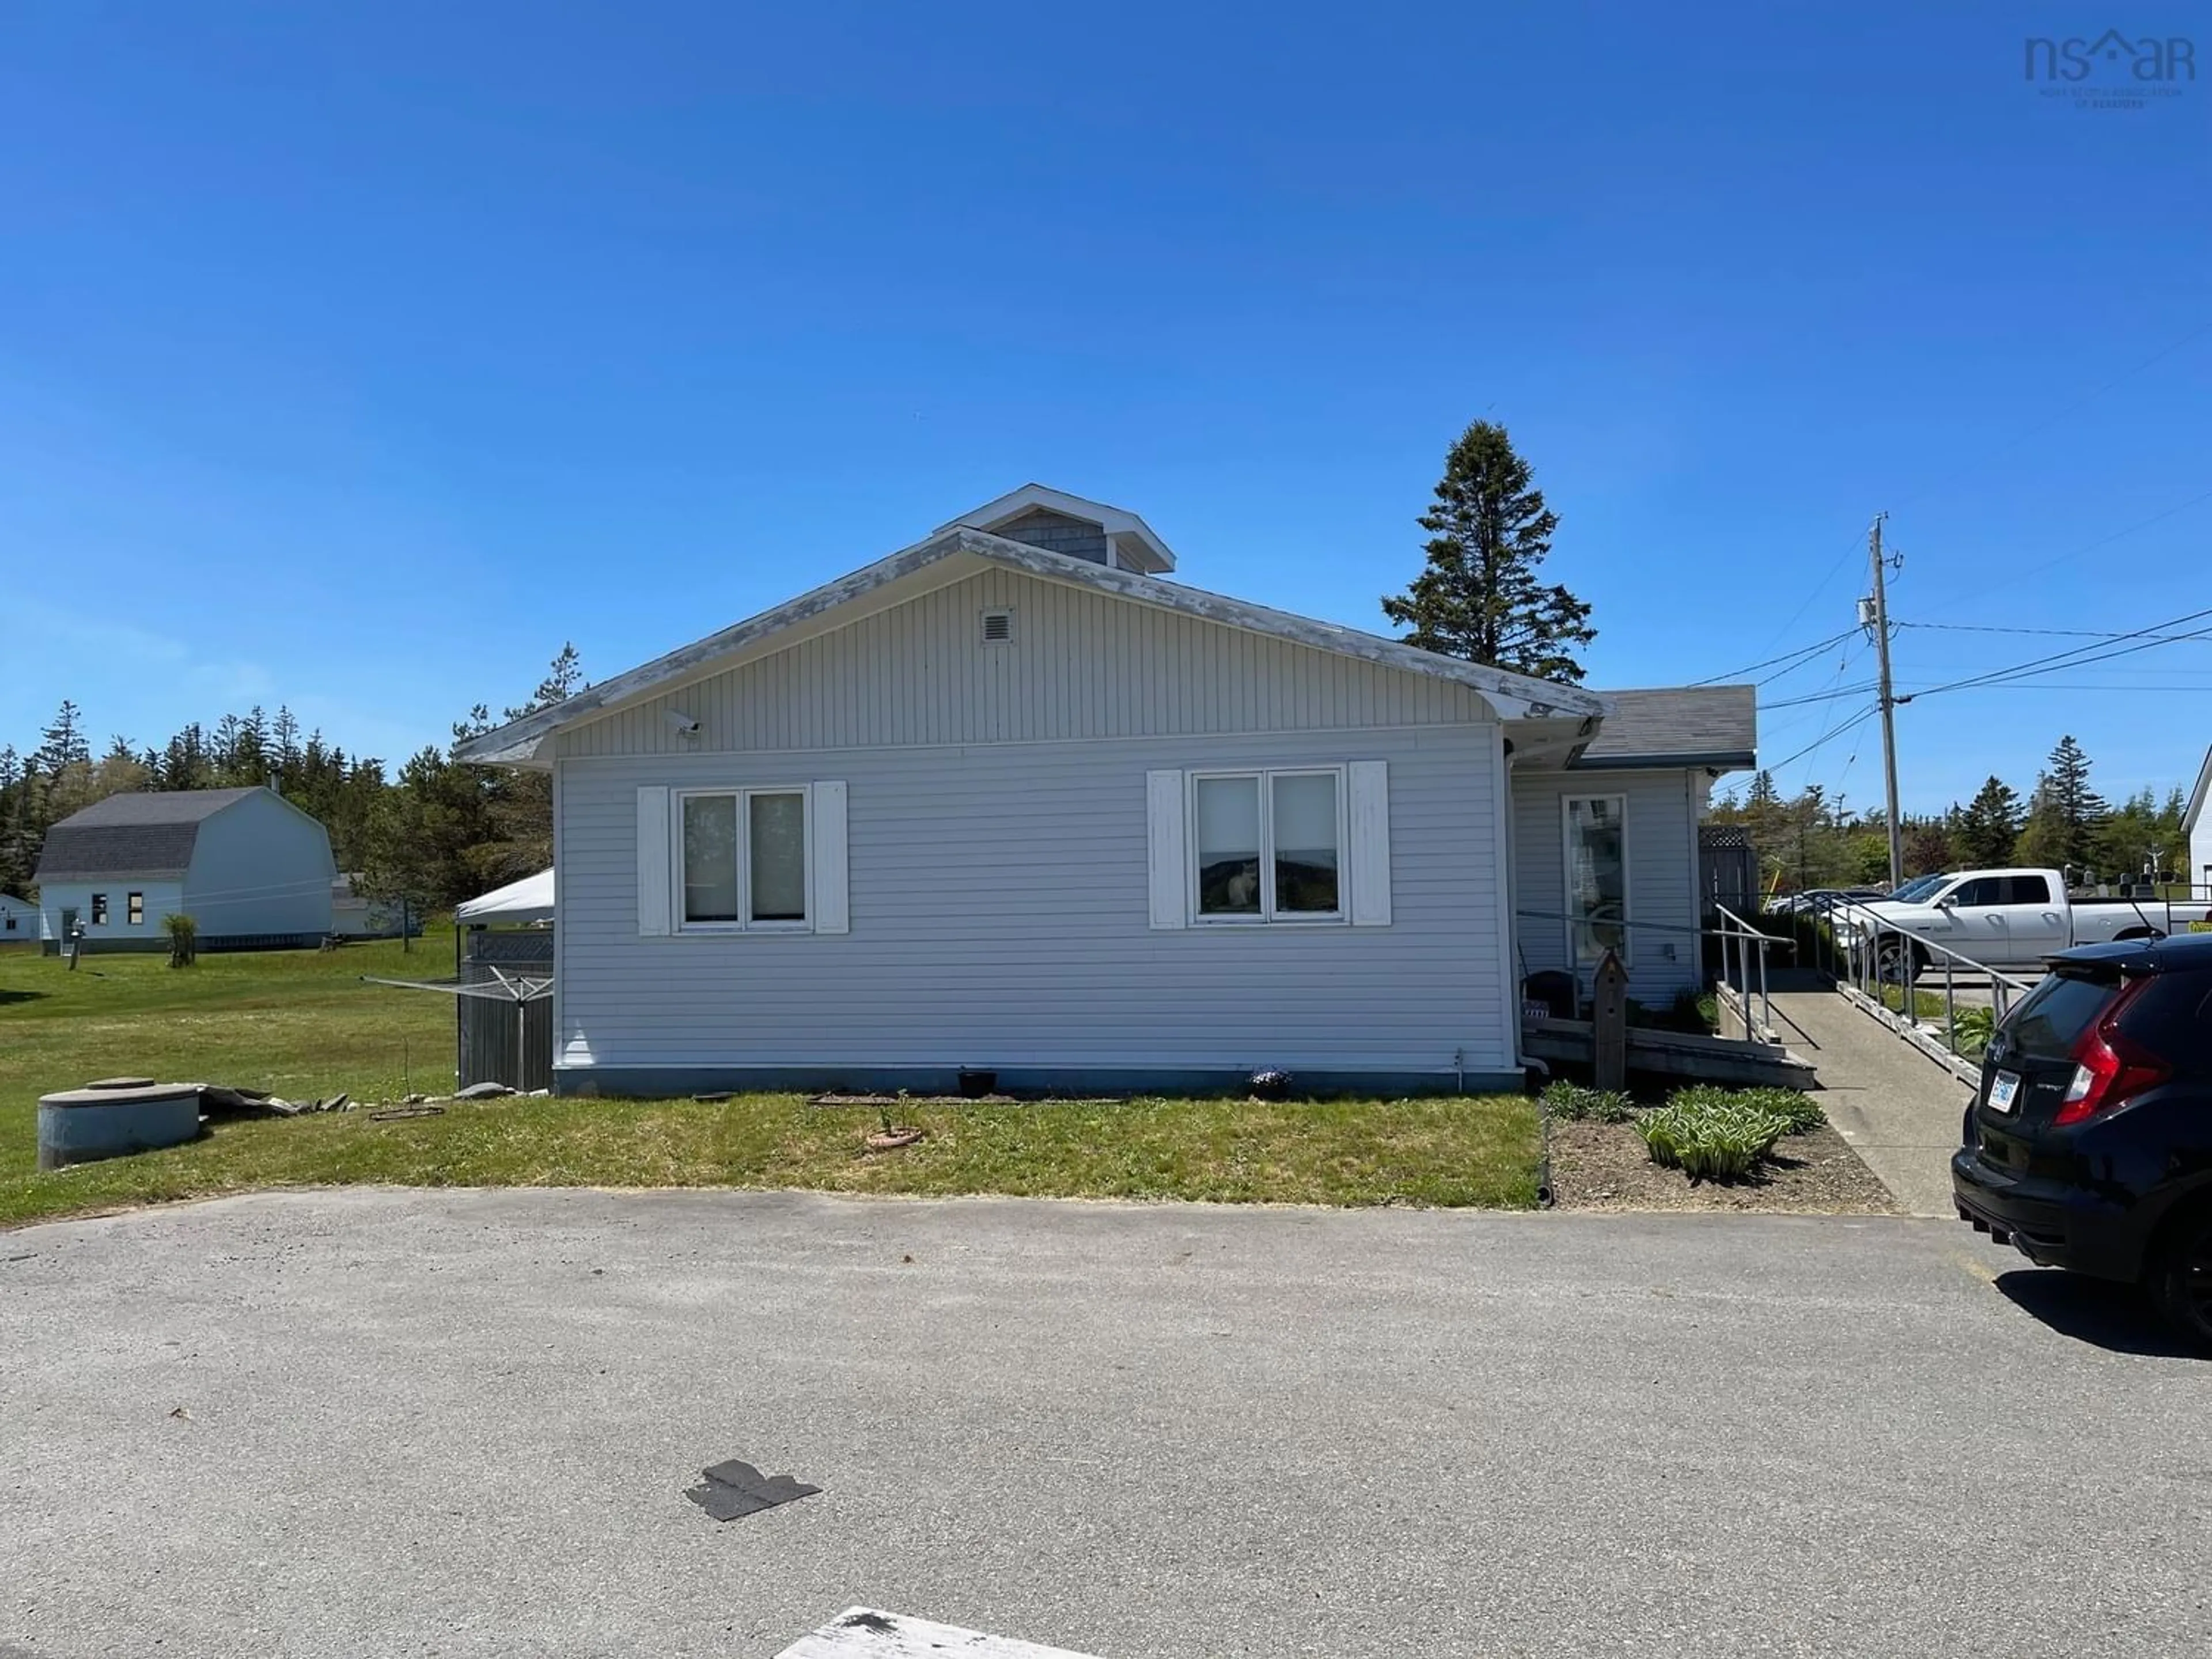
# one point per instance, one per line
(710, 858)
(1229, 846)
(2028, 889)
(1305, 843)
(779, 852)
(1597, 878)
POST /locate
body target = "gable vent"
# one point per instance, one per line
(998, 627)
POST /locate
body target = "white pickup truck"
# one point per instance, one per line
(2003, 919)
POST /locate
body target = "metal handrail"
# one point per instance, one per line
(1741, 932)
(1863, 964)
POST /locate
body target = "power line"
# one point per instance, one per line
(2106, 541)
(1829, 736)
(1819, 588)
(1861, 687)
(2064, 409)
(1985, 628)
(2081, 655)
(1787, 656)
(1998, 678)
(2076, 685)
(2102, 541)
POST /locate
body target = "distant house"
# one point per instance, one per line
(2196, 830)
(249, 867)
(1013, 801)
(19, 919)
(354, 915)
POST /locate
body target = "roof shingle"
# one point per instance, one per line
(150, 835)
(1685, 726)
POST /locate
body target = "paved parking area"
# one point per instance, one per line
(461, 1424)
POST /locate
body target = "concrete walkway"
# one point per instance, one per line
(1899, 1110)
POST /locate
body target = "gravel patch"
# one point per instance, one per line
(1605, 1166)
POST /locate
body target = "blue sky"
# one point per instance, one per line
(355, 357)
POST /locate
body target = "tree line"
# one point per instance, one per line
(431, 831)
(2061, 822)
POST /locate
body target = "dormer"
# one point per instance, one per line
(1061, 523)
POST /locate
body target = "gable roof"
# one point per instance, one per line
(2199, 797)
(150, 835)
(959, 551)
(1120, 527)
(1684, 726)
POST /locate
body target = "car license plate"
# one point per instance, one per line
(2004, 1090)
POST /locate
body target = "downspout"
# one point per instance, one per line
(1509, 819)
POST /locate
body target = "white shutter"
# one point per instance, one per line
(655, 886)
(1164, 861)
(833, 903)
(1370, 843)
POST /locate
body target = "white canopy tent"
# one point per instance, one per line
(494, 967)
(528, 900)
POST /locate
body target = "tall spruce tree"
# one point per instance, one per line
(1479, 596)
(1988, 827)
(2076, 807)
(15, 863)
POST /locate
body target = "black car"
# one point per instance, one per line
(2088, 1145)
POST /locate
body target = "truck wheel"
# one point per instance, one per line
(1898, 963)
(2182, 1277)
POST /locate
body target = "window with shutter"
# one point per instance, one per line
(1292, 845)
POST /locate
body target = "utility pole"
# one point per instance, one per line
(1888, 704)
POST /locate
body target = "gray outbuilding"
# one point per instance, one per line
(250, 869)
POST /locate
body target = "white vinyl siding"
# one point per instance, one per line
(1081, 664)
(1004, 912)
(1661, 819)
(259, 866)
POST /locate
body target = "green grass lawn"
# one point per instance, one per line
(1926, 1004)
(301, 1024)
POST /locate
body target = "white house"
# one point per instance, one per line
(1009, 800)
(19, 919)
(2196, 830)
(247, 866)
(354, 915)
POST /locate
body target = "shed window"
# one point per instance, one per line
(1267, 846)
(100, 909)
(752, 879)
(135, 909)
(1597, 875)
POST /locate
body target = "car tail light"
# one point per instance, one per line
(2110, 1068)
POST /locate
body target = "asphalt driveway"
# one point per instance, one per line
(461, 1424)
